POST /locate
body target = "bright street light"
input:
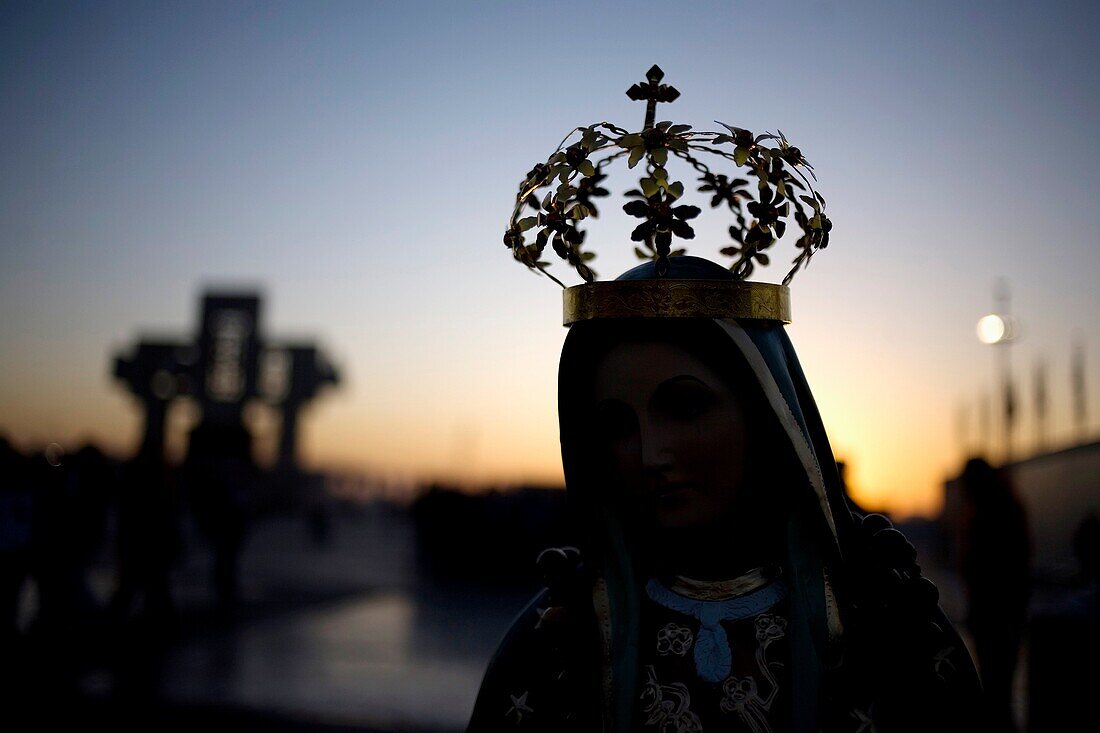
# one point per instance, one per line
(992, 329)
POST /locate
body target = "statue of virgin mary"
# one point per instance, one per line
(723, 581)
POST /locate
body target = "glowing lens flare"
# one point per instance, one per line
(992, 329)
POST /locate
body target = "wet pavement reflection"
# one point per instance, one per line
(355, 662)
(401, 651)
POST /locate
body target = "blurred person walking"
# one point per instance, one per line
(148, 544)
(995, 562)
(15, 538)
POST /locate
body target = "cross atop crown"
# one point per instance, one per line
(653, 91)
(761, 179)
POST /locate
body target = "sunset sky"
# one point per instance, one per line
(357, 162)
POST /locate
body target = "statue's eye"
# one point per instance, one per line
(614, 420)
(683, 400)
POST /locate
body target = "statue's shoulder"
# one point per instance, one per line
(906, 665)
(538, 679)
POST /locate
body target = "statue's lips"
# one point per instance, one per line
(669, 491)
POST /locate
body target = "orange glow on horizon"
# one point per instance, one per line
(493, 431)
(512, 444)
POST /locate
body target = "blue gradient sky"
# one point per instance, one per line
(358, 161)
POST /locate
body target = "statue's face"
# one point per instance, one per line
(674, 432)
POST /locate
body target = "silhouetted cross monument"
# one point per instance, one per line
(224, 367)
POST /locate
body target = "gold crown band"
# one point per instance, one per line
(677, 299)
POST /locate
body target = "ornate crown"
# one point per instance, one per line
(573, 176)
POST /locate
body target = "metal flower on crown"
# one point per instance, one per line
(762, 179)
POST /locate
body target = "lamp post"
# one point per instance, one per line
(1000, 329)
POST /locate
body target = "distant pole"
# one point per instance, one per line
(962, 429)
(1080, 404)
(999, 329)
(1004, 306)
(985, 426)
(1041, 400)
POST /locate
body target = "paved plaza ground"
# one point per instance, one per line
(346, 635)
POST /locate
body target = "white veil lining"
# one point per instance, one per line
(786, 417)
